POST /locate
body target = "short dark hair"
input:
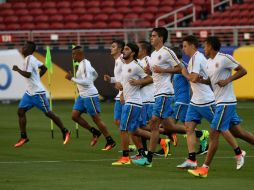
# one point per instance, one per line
(147, 46)
(214, 42)
(162, 32)
(191, 40)
(120, 44)
(134, 48)
(31, 46)
(178, 52)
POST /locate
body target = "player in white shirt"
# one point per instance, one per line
(131, 94)
(35, 94)
(202, 103)
(226, 120)
(88, 99)
(116, 52)
(166, 59)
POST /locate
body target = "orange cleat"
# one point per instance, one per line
(67, 137)
(122, 161)
(165, 146)
(199, 172)
(21, 142)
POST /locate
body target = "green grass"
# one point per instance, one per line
(79, 166)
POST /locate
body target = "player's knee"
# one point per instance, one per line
(21, 112)
(74, 117)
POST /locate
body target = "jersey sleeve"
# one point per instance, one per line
(230, 62)
(140, 72)
(195, 65)
(28, 64)
(172, 59)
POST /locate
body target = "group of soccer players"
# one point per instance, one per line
(156, 89)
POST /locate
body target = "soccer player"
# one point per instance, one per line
(35, 94)
(219, 69)
(202, 103)
(88, 99)
(131, 94)
(116, 52)
(165, 58)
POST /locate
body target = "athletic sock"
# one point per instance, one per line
(23, 135)
(143, 140)
(94, 131)
(64, 130)
(192, 156)
(238, 151)
(150, 156)
(125, 153)
(141, 152)
(198, 134)
(109, 140)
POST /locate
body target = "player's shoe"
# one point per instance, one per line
(109, 146)
(165, 146)
(122, 161)
(142, 162)
(240, 160)
(67, 136)
(21, 142)
(136, 157)
(173, 139)
(188, 164)
(199, 172)
(95, 139)
(159, 153)
(202, 151)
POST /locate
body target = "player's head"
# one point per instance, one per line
(28, 48)
(159, 36)
(130, 51)
(78, 53)
(145, 49)
(178, 52)
(190, 45)
(212, 43)
(117, 47)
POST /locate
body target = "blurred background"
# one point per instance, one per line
(95, 24)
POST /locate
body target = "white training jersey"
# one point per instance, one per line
(147, 92)
(131, 93)
(85, 77)
(117, 73)
(34, 86)
(164, 58)
(220, 68)
(202, 94)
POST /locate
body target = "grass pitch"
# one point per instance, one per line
(45, 163)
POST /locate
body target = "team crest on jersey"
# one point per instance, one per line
(129, 70)
(159, 58)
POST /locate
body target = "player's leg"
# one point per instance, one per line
(238, 132)
(117, 112)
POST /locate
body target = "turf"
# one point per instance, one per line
(45, 163)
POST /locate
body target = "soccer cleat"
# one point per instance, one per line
(142, 162)
(67, 137)
(187, 164)
(159, 153)
(94, 139)
(109, 146)
(202, 151)
(199, 172)
(136, 157)
(122, 161)
(204, 140)
(165, 146)
(173, 139)
(21, 142)
(240, 160)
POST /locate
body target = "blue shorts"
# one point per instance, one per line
(39, 100)
(146, 114)
(117, 110)
(196, 113)
(162, 107)
(225, 116)
(180, 111)
(130, 118)
(90, 105)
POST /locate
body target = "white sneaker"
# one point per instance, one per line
(188, 164)
(240, 160)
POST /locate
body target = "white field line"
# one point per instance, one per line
(102, 160)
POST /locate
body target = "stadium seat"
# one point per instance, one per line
(36, 12)
(152, 3)
(78, 4)
(137, 9)
(63, 4)
(101, 17)
(65, 11)
(107, 4)
(33, 5)
(13, 26)
(42, 26)
(71, 18)
(11, 19)
(152, 9)
(79, 11)
(50, 11)
(131, 16)
(147, 16)
(100, 25)
(2, 26)
(4, 6)
(116, 17)
(86, 17)
(123, 10)
(123, 3)
(48, 4)
(26, 18)
(115, 24)
(93, 3)
(137, 3)
(27, 26)
(56, 25)
(20, 12)
(94, 10)
(41, 18)
(167, 3)
(71, 25)
(19, 5)
(56, 18)
(108, 10)
(7, 12)
(85, 25)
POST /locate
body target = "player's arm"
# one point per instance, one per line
(23, 73)
(141, 82)
(204, 81)
(43, 70)
(109, 79)
(175, 69)
(240, 72)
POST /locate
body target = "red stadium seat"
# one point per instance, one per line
(115, 24)
(116, 17)
(131, 16)
(123, 3)
(147, 16)
(7, 12)
(78, 4)
(28, 26)
(19, 5)
(20, 12)
(13, 26)
(123, 10)
(145, 24)
(167, 3)
(63, 4)
(71, 25)
(100, 25)
(71, 18)
(101, 17)
(42, 26)
(94, 10)
(152, 9)
(65, 11)
(85, 25)
(1, 19)
(166, 9)
(56, 25)
(152, 3)
(137, 3)
(33, 5)
(93, 3)
(2, 26)
(11, 19)
(36, 12)
(137, 9)
(107, 4)
(4, 6)
(108, 10)
(50, 11)
(41, 18)
(49, 4)
(86, 17)
(56, 18)
(26, 18)
(79, 11)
